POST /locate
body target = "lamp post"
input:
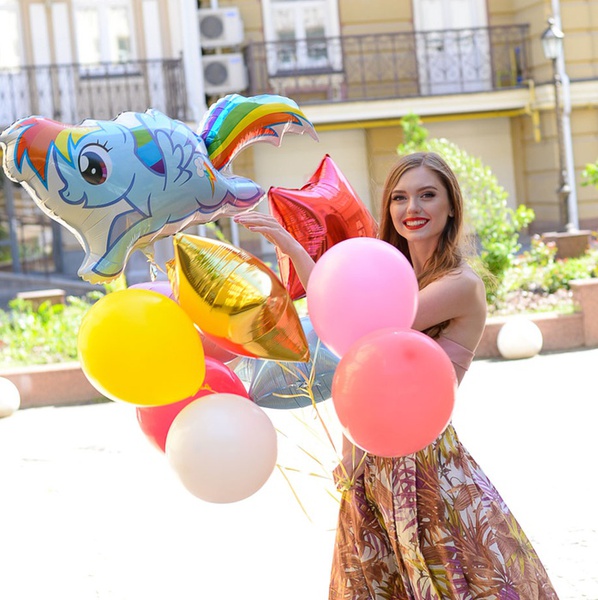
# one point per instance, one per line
(552, 43)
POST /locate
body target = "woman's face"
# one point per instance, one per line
(420, 206)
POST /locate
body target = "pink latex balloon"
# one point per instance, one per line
(394, 392)
(358, 286)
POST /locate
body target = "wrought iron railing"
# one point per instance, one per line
(390, 65)
(72, 92)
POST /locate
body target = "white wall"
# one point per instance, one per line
(294, 161)
(486, 139)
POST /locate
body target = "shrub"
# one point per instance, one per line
(590, 174)
(539, 271)
(45, 335)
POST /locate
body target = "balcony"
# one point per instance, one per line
(391, 65)
(72, 92)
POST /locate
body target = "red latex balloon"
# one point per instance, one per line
(155, 421)
(394, 392)
(325, 211)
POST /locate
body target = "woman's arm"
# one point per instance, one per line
(458, 295)
(275, 233)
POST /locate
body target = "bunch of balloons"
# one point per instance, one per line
(394, 387)
(163, 347)
(119, 186)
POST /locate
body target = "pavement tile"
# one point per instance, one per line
(91, 511)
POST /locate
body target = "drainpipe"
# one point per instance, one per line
(566, 122)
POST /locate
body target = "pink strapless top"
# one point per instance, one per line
(460, 356)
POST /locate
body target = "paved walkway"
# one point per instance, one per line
(89, 510)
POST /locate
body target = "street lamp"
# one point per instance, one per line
(552, 43)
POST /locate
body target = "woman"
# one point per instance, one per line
(429, 525)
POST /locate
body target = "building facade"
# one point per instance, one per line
(473, 70)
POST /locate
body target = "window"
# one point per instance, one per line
(103, 30)
(10, 46)
(300, 31)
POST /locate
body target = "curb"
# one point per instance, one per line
(52, 385)
(66, 384)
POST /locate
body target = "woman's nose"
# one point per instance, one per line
(413, 206)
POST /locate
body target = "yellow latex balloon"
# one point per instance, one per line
(140, 347)
(236, 299)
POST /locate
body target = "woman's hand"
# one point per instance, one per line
(270, 228)
(275, 233)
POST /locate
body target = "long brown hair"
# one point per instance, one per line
(448, 255)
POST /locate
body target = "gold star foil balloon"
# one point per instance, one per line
(236, 300)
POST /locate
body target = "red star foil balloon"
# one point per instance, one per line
(325, 211)
(236, 300)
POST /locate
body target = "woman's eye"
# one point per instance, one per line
(95, 164)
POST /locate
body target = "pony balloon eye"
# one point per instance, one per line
(94, 164)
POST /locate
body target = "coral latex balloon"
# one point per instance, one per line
(325, 211)
(394, 392)
(234, 298)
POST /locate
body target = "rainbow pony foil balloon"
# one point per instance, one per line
(120, 185)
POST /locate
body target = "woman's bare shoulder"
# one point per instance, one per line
(465, 281)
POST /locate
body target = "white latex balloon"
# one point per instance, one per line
(223, 447)
(519, 338)
(10, 399)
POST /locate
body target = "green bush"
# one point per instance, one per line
(590, 174)
(45, 335)
(495, 225)
(538, 270)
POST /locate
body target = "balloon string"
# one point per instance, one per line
(154, 268)
(307, 392)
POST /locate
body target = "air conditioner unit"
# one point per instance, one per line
(224, 73)
(220, 27)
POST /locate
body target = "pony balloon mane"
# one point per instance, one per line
(120, 185)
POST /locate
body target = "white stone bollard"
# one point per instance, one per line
(519, 338)
(10, 399)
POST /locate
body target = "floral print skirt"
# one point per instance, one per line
(431, 526)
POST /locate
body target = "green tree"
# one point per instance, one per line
(496, 225)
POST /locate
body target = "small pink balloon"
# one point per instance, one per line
(358, 286)
(161, 287)
(394, 392)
